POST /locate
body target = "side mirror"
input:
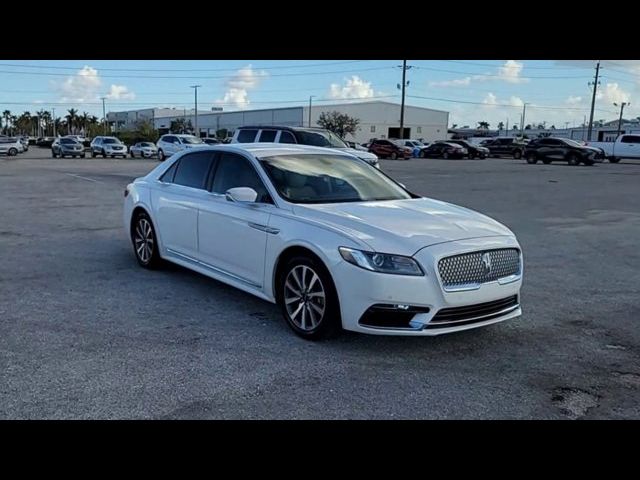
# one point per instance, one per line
(241, 195)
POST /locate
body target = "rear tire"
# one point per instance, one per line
(546, 162)
(53, 154)
(532, 158)
(517, 154)
(422, 154)
(308, 298)
(614, 159)
(445, 155)
(161, 156)
(144, 240)
(132, 155)
(82, 156)
(93, 154)
(12, 152)
(394, 156)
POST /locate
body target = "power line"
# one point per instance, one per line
(106, 69)
(528, 67)
(195, 77)
(555, 77)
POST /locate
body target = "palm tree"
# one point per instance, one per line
(500, 126)
(483, 125)
(72, 119)
(7, 117)
(45, 117)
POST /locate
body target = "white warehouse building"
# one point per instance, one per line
(378, 119)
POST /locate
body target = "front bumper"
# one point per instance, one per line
(415, 302)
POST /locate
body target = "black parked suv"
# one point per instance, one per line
(446, 150)
(474, 151)
(562, 149)
(508, 146)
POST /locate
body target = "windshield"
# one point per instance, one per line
(68, 141)
(321, 178)
(320, 139)
(144, 144)
(191, 140)
(111, 140)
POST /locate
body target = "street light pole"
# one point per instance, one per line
(195, 87)
(310, 97)
(104, 116)
(622, 105)
(53, 110)
(524, 111)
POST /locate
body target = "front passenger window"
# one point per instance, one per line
(236, 171)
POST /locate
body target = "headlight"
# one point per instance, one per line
(381, 262)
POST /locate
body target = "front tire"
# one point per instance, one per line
(394, 156)
(145, 244)
(308, 299)
(93, 154)
(517, 154)
(614, 159)
(573, 159)
(532, 158)
(422, 154)
(445, 155)
(12, 152)
(161, 156)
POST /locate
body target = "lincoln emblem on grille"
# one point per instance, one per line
(486, 263)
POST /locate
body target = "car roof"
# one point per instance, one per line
(271, 149)
(282, 127)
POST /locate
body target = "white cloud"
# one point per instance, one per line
(458, 82)
(573, 100)
(120, 92)
(516, 101)
(490, 100)
(613, 93)
(354, 87)
(510, 72)
(239, 85)
(86, 86)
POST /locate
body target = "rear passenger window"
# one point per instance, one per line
(167, 176)
(631, 139)
(247, 136)
(193, 169)
(286, 137)
(268, 136)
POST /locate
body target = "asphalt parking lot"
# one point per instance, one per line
(86, 333)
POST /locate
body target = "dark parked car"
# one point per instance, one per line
(388, 149)
(475, 151)
(211, 141)
(44, 142)
(444, 150)
(67, 147)
(550, 149)
(507, 146)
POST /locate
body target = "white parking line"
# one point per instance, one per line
(83, 178)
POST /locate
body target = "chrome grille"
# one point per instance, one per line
(471, 269)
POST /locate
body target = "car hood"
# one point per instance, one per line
(403, 226)
(360, 154)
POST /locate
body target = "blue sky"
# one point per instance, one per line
(556, 92)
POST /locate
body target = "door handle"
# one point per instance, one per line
(264, 228)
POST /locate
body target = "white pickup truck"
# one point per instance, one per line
(625, 146)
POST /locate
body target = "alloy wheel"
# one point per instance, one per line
(304, 297)
(143, 240)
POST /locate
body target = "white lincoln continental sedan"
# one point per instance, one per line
(331, 239)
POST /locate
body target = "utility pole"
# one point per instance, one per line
(53, 110)
(310, 97)
(593, 99)
(195, 87)
(404, 85)
(622, 105)
(524, 111)
(506, 132)
(104, 116)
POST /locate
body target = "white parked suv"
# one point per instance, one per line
(174, 143)
(10, 146)
(333, 241)
(108, 146)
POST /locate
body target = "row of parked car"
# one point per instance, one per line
(546, 150)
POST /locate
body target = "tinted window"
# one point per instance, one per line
(235, 171)
(319, 138)
(631, 139)
(287, 137)
(111, 141)
(247, 136)
(168, 139)
(193, 169)
(68, 141)
(268, 136)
